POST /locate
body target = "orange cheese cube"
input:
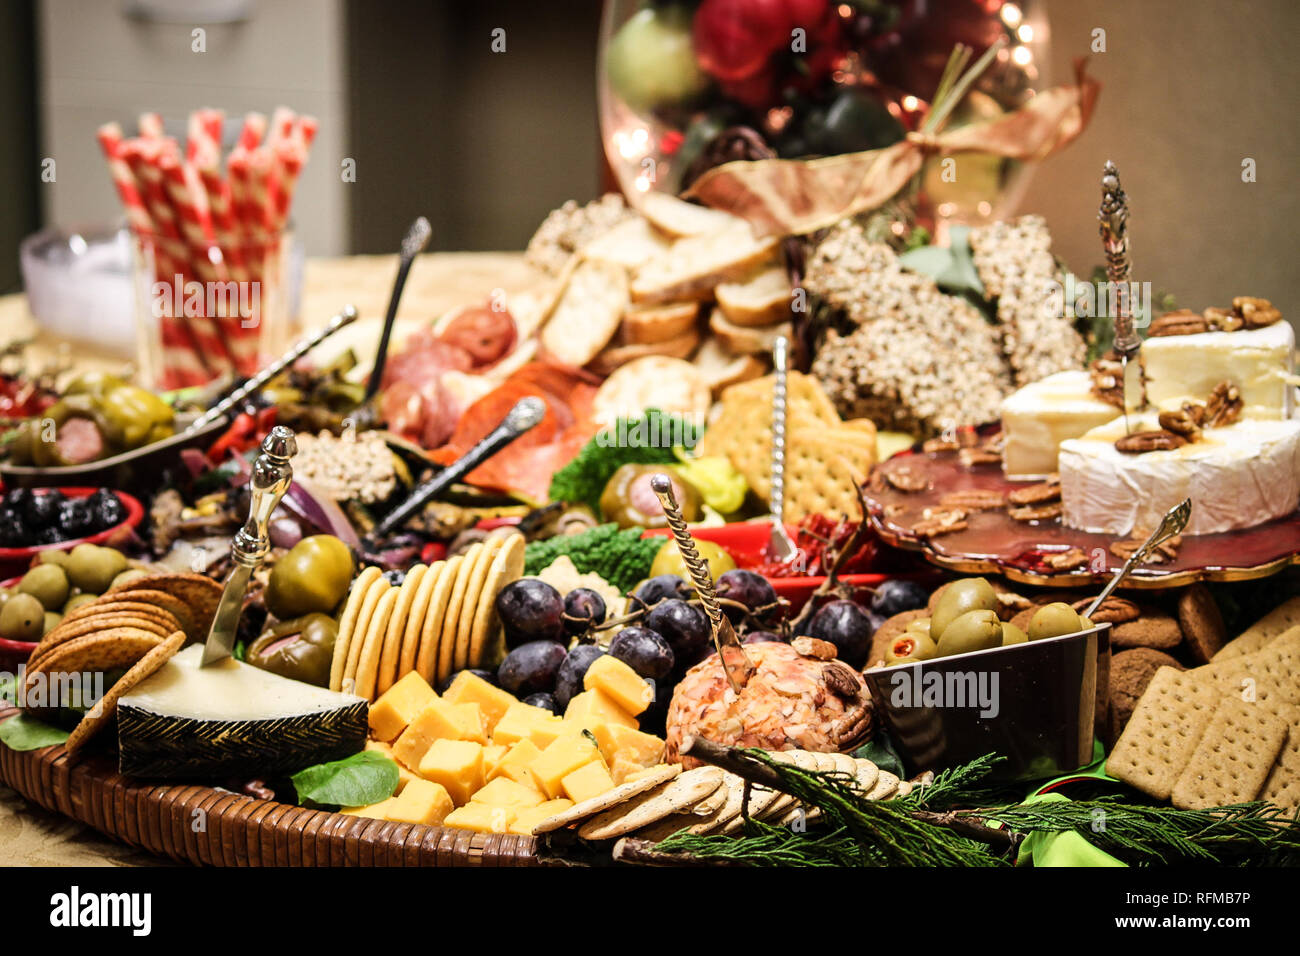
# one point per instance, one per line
(589, 780)
(493, 755)
(440, 720)
(504, 792)
(565, 755)
(593, 707)
(620, 769)
(376, 811)
(620, 683)
(469, 688)
(421, 801)
(404, 775)
(457, 765)
(525, 820)
(525, 722)
(635, 745)
(514, 765)
(481, 818)
(399, 705)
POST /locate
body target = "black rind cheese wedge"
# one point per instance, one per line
(187, 722)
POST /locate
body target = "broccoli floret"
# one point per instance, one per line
(620, 557)
(632, 441)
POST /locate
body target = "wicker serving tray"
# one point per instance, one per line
(207, 826)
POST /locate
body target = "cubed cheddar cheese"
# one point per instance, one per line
(525, 820)
(589, 780)
(635, 745)
(620, 683)
(504, 792)
(440, 720)
(481, 818)
(399, 705)
(492, 755)
(593, 707)
(457, 765)
(376, 811)
(404, 775)
(469, 688)
(514, 765)
(565, 755)
(620, 769)
(525, 722)
(421, 801)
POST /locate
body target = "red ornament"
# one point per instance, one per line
(733, 39)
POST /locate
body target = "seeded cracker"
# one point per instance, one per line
(1163, 732)
(106, 708)
(1233, 757)
(1282, 618)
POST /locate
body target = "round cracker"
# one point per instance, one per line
(391, 651)
(199, 596)
(378, 588)
(106, 707)
(885, 786)
(447, 636)
(415, 620)
(610, 798)
(492, 544)
(428, 657)
(88, 626)
(103, 650)
(672, 385)
(372, 649)
(136, 608)
(161, 601)
(487, 638)
(686, 790)
(348, 623)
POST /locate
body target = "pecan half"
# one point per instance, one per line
(1140, 442)
(1256, 313)
(907, 479)
(1182, 322)
(939, 521)
(1195, 411)
(1041, 493)
(1108, 381)
(1113, 610)
(971, 457)
(814, 648)
(1181, 423)
(1066, 560)
(1044, 512)
(974, 499)
(1222, 320)
(840, 679)
(938, 445)
(1224, 406)
(1162, 554)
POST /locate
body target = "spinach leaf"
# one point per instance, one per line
(22, 732)
(364, 778)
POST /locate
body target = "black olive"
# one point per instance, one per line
(107, 509)
(77, 518)
(43, 510)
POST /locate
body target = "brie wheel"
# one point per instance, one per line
(1185, 368)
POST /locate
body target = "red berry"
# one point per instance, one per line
(733, 39)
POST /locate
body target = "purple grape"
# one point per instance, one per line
(847, 626)
(530, 610)
(543, 700)
(762, 637)
(684, 626)
(583, 608)
(569, 682)
(745, 587)
(644, 651)
(662, 587)
(531, 668)
(896, 596)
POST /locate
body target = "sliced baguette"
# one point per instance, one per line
(677, 217)
(645, 324)
(722, 368)
(763, 299)
(587, 314)
(692, 267)
(629, 244)
(619, 355)
(743, 339)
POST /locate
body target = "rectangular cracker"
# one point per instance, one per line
(1282, 618)
(1282, 786)
(1233, 758)
(1163, 732)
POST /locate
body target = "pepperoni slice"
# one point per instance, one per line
(485, 334)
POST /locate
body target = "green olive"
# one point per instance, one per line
(1012, 634)
(910, 646)
(1053, 620)
(22, 618)
(1085, 623)
(976, 630)
(921, 624)
(311, 578)
(52, 619)
(78, 600)
(6, 594)
(53, 557)
(93, 568)
(959, 597)
(47, 583)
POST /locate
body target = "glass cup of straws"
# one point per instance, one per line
(209, 311)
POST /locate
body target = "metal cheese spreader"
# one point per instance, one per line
(1173, 523)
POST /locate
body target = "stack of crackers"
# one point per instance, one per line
(441, 619)
(825, 458)
(674, 280)
(1225, 732)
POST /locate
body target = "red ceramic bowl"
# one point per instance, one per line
(17, 560)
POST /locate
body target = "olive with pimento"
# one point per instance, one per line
(313, 577)
(300, 649)
(629, 501)
(73, 431)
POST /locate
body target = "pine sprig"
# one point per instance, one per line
(956, 786)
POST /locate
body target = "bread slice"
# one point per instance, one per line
(692, 267)
(722, 368)
(677, 217)
(587, 314)
(630, 244)
(617, 355)
(645, 324)
(763, 299)
(743, 339)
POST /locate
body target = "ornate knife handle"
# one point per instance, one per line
(1173, 523)
(1113, 219)
(781, 365)
(272, 475)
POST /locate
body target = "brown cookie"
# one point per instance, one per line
(1113, 610)
(1154, 629)
(1130, 673)
(888, 631)
(1201, 622)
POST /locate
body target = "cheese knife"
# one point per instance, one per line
(779, 543)
(272, 475)
(1113, 219)
(417, 237)
(1173, 523)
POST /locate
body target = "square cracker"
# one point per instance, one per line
(1282, 618)
(1282, 786)
(818, 481)
(1232, 759)
(1163, 732)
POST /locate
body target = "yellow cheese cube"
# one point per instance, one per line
(620, 769)
(514, 765)
(635, 745)
(525, 820)
(376, 811)
(440, 720)
(421, 801)
(481, 818)
(525, 722)
(565, 755)
(469, 688)
(399, 705)
(589, 780)
(457, 765)
(593, 707)
(492, 755)
(404, 776)
(504, 792)
(623, 685)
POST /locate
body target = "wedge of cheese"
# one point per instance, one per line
(230, 720)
